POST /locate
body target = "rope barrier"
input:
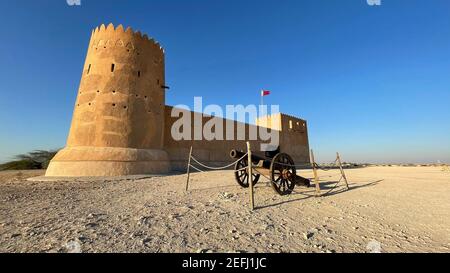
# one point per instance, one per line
(325, 169)
(193, 167)
(307, 165)
(334, 187)
(275, 163)
(290, 165)
(337, 164)
(217, 168)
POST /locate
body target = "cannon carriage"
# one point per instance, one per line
(278, 167)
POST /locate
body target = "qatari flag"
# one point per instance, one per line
(265, 93)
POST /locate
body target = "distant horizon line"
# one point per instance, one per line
(393, 163)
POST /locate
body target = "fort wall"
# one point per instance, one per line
(216, 152)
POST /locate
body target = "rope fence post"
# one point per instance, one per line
(250, 176)
(342, 170)
(188, 170)
(316, 177)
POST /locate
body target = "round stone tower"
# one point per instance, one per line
(118, 121)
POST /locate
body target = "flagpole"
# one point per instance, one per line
(262, 103)
(262, 97)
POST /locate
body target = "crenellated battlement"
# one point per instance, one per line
(110, 36)
(121, 96)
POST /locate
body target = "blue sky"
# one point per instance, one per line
(373, 82)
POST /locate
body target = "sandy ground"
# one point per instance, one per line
(392, 209)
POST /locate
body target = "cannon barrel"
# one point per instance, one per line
(235, 154)
(238, 154)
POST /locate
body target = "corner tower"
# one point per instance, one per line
(118, 121)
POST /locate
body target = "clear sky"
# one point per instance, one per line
(373, 82)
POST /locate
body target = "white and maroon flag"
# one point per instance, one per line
(263, 94)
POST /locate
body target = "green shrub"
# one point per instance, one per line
(32, 161)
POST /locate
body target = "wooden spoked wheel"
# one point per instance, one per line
(283, 174)
(242, 174)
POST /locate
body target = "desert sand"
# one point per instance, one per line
(387, 209)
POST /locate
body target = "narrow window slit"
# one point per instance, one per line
(112, 67)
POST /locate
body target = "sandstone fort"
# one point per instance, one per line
(122, 126)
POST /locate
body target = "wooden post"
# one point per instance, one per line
(316, 177)
(342, 171)
(188, 170)
(250, 176)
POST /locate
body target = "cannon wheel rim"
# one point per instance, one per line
(242, 175)
(280, 174)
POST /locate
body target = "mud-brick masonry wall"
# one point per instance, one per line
(121, 125)
(292, 132)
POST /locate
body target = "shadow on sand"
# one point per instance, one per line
(328, 188)
(325, 187)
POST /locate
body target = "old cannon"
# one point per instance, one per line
(279, 167)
